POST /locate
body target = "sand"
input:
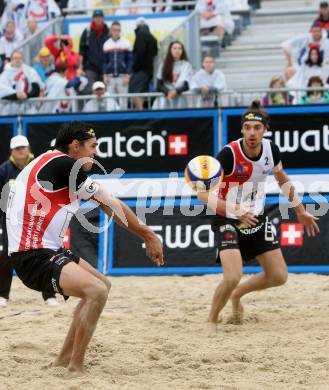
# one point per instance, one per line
(152, 336)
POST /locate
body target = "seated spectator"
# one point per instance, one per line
(277, 98)
(102, 102)
(118, 63)
(323, 18)
(64, 54)
(215, 16)
(315, 97)
(10, 40)
(18, 82)
(296, 49)
(208, 82)
(91, 48)
(144, 51)
(313, 66)
(45, 65)
(173, 78)
(57, 86)
(31, 28)
(135, 9)
(159, 7)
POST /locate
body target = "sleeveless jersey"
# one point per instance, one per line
(38, 217)
(246, 183)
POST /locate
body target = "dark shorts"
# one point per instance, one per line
(251, 241)
(139, 82)
(40, 269)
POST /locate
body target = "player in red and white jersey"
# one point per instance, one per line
(242, 230)
(41, 203)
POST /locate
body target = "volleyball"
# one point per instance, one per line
(203, 173)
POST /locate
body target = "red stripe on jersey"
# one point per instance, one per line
(37, 215)
(242, 171)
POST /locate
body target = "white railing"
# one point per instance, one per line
(227, 98)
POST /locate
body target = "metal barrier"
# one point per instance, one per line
(189, 99)
(31, 46)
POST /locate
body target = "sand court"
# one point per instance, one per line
(152, 336)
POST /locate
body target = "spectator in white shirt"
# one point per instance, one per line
(208, 82)
(10, 40)
(102, 102)
(216, 15)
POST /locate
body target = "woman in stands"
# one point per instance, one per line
(315, 97)
(173, 78)
(277, 98)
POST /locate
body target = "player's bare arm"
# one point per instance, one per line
(304, 217)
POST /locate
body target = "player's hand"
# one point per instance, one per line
(309, 222)
(244, 215)
(154, 249)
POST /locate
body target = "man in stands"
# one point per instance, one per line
(296, 48)
(10, 40)
(102, 101)
(91, 48)
(118, 63)
(323, 18)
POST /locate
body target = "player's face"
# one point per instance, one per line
(87, 149)
(253, 133)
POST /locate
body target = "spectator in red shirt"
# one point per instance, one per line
(323, 18)
(64, 54)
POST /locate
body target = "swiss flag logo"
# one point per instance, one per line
(291, 234)
(178, 144)
(67, 239)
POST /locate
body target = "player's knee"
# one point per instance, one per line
(107, 283)
(98, 292)
(232, 280)
(278, 278)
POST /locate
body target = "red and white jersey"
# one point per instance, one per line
(245, 184)
(39, 217)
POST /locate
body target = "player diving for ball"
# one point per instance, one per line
(242, 230)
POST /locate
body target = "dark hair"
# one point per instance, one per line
(314, 79)
(116, 23)
(168, 64)
(70, 131)
(320, 57)
(60, 67)
(257, 109)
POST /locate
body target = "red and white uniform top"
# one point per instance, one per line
(38, 214)
(244, 178)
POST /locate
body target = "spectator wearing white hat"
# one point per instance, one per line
(102, 101)
(20, 157)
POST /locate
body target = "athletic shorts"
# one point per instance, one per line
(251, 241)
(40, 269)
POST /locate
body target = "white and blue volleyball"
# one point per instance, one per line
(203, 173)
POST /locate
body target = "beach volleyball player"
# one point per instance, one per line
(42, 200)
(242, 229)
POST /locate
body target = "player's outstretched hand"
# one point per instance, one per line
(309, 222)
(248, 219)
(154, 249)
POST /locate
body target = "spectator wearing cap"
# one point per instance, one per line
(10, 40)
(144, 51)
(45, 65)
(208, 82)
(323, 18)
(118, 63)
(296, 49)
(64, 54)
(20, 156)
(91, 48)
(102, 101)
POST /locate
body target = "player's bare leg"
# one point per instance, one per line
(64, 356)
(275, 274)
(75, 281)
(232, 271)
